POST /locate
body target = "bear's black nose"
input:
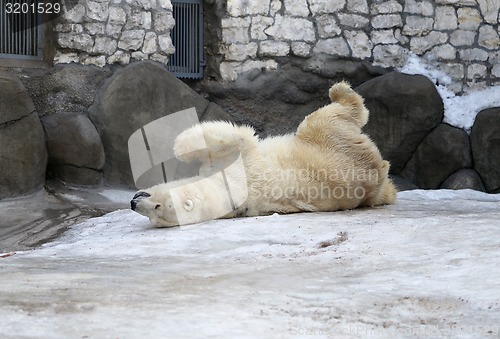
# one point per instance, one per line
(141, 194)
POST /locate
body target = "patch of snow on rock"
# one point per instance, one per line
(459, 111)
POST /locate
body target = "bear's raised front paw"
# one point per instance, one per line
(190, 144)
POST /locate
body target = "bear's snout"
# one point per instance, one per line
(138, 196)
(141, 194)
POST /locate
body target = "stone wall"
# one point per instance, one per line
(100, 32)
(461, 36)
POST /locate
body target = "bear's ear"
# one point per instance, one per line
(188, 204)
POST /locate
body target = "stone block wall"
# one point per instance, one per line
(100, 32)
(460, 36)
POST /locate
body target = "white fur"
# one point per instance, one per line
(327, 165)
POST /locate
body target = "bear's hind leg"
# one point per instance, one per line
(386, 193)
(343, 94)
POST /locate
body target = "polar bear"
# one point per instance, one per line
(328, 164)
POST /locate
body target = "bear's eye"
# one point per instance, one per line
(188, 205)
(157, 206)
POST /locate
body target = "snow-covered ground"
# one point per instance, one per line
(426, 267)
(459, 111)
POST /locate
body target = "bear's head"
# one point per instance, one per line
(157, 207)
(167, 207)
(182, 202)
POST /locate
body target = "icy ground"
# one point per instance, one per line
(426, 267)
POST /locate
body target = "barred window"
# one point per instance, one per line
(187, 37)
(21, 34)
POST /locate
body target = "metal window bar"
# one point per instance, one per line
(20, 34)
(187, 37)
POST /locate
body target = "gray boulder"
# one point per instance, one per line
(443, 152)
(273, 102)
(464, 179)
(403, 110)
(276, 101)
(23, 155)
(76, 153)
(214, 113)
(485, 141)
(133, 97)
(64, 88)
(402, 184)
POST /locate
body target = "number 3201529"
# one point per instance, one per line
(25, 8)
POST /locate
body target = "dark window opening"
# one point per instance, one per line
(187, 37)
(20, 34)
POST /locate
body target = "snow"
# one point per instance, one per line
(116, 195)
(459, 111)
(425, 267)
(417, 65)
